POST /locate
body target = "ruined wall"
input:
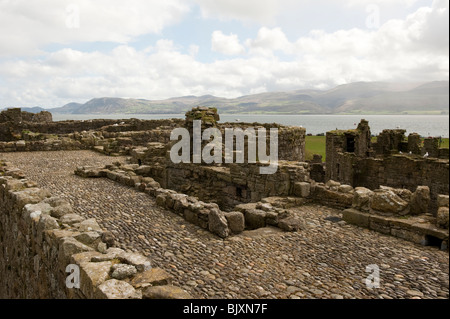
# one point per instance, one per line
(207, 215)
(291, 139)
(12, 127)
(392, 161)
(55, 144)
(40, 236)
(17, 116)
(234, 183)
(402, 171)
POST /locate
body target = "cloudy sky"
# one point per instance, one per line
(53, 52)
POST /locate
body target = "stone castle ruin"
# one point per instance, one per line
(387, 185)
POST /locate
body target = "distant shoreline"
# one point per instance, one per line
(425, 125)
(259, 113)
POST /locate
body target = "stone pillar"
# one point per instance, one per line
(363, 142)
(414, 143)
(431, 145)
(208, 117)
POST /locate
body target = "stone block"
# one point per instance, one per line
(122, 271)
(272, 218)
(116, 289)
(331, 183)
(387, 202)
(161, 200)
(380, 224)
(355, 217)
(165, 292)
(141, 262)
(408, 235)
(442, 200)
(89, 225)
(217, 223)
(88, 238)
(345, 189)
(244, 207)
(47, 222)
(29, 196)
(236, 221)
(302, 189)
(191, 216)
(361, 199)
(42, 207)
(70, 246)
(420, 200)
(71, 219)
(442, 217)
(61, 210)
(255, 218)
(290, 224)
(151, 277)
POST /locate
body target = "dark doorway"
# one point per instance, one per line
(432, 241)
(350, 144)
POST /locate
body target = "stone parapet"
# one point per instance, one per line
(48, 251)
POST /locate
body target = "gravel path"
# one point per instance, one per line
(325, 260)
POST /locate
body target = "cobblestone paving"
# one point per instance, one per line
(325, 260)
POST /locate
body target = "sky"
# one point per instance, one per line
(53, 52)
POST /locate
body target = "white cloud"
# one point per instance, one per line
(27, 26)
(193, 50)
(269, 40)
(411, 49)
(407, 3)
(261, 11)
(226, 44)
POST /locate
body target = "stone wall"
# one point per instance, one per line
(404, 171)
(203, 213)
(52, 144)
(401, 213)
(13, 122)
(391, 161)
(40, 237)
(17, 116)
(332, 194)
(231, 184)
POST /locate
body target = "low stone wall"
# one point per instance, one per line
(416, 229)
(54, 144)
(233, 184)
(401, 213)
(42, 242)
(207, 215)
(399, 171)
(10, 129)
(332, 194)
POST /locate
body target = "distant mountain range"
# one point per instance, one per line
(353, 98)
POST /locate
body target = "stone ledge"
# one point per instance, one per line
(417, 229)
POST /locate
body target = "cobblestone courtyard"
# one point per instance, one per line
(325, 260)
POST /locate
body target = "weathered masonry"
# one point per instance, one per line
(393, 160)
(388, 186)
(41, 236)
